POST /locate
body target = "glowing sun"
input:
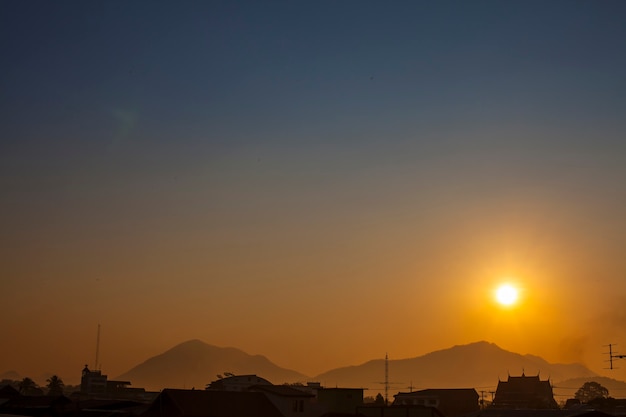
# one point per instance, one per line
(506, 294)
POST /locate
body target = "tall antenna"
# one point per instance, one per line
(386, 382)
(96, 365)
(386, 379)
(613, 356)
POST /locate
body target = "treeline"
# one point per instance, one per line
(54, 386)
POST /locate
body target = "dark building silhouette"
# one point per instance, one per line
(451, 402)
(295, 400)
(8, 391)
(524, 392)
(210, 403)
(36, 406)
(93, 384)
(340, 400)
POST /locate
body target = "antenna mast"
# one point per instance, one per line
(612, 356)
(96, 365)
(387, 383)
(386, 379)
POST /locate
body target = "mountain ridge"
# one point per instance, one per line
(475, 365)
(195, 363)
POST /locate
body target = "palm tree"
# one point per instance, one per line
(27, 386)
(55, 385)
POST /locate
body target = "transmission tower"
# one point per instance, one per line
(386, 383)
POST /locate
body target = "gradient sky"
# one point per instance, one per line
(317, 182)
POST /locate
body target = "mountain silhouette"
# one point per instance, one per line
(10, 375)
(477, 365)
(194, 364)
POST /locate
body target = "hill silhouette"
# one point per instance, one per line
(10, 375)
(477, 365)
(195, 364)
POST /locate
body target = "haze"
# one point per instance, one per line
(320, 183)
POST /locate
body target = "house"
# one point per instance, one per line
(234, 396)
(524, 392)
(290, 401)
(93, 384)
(451, 402)
(340, 400)
(7, 391)
(211, 403)
(333, 400)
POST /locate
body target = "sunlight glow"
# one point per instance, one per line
(506, 294)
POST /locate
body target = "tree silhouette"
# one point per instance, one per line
(27, 386)
(590, 391)
(55, 385)
(380, 400)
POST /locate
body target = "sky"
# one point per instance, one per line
(318, 182)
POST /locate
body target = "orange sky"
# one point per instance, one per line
(339, 310)
(319, 184)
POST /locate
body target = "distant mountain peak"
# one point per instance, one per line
(476, 364)
(194, 363)
(478, 344)
(192, 342)
(475, 348)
